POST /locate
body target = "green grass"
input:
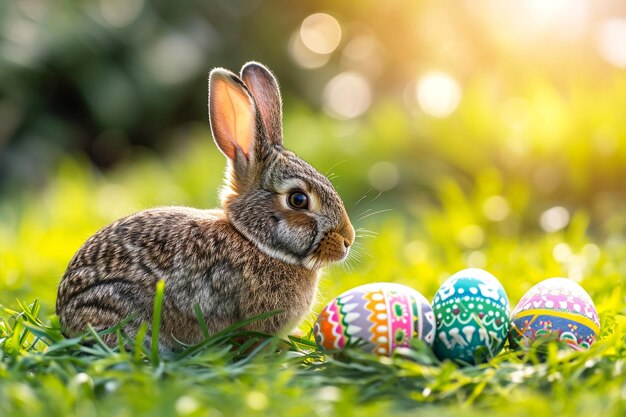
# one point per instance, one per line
(438, 224)
(243, 373)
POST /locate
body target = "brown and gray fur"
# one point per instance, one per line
(254, 255)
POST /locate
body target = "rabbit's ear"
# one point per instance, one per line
(232, 114)
(264, 88)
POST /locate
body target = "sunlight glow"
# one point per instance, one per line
(546, 11)
(347, 95)
(321, 33)
(438, 94)
(524, 21)
(612, 41)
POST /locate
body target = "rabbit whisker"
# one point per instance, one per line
(364, 212)
(362, 198)
(369, 202)
(347, 266)
(359, 249)
(373, 214)
(335, 166)
(365, 233)
(361, 229)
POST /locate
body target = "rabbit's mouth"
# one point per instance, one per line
(332, 248)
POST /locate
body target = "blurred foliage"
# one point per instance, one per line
(538, 90)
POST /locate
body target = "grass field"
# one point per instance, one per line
(414, 241)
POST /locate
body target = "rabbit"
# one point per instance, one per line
(280, 221)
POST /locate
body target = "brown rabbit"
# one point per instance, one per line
(280, 221)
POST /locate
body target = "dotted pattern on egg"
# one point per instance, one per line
(383, 315)
(556, 306)
(472, 311)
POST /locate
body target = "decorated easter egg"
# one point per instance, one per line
(380, 316)
(556, 307)
(472, 313)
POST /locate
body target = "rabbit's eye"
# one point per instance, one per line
(298, 200)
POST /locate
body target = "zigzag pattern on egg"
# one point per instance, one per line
(382, 316)
(378, 316)
(328, 330)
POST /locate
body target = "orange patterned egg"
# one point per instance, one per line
(382, 316)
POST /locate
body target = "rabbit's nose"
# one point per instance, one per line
(348, 235)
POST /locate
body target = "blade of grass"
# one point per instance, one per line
(226, 334)
(63, 344)
(201, 321)
(156, 320)
(139, 342)
(93, 333)
(118, 326)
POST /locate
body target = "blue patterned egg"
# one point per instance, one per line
(472, 313)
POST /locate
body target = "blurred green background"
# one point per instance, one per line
(489, 135)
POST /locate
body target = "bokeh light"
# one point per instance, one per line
(605, 141)
(24, 41)
(384, 176)
(361, 48)
(416, 251)
(363, 52)
(471, 236)
(438, 94)
(562, 253)
(347, 95)
(302, 55)
(120, 13)
(476, 259)
(516, 112)
(554, 219)
(321, 33)
(173, 58)
(496, 208)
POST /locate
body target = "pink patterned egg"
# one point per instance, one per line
(555, 306)
(382, 316)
